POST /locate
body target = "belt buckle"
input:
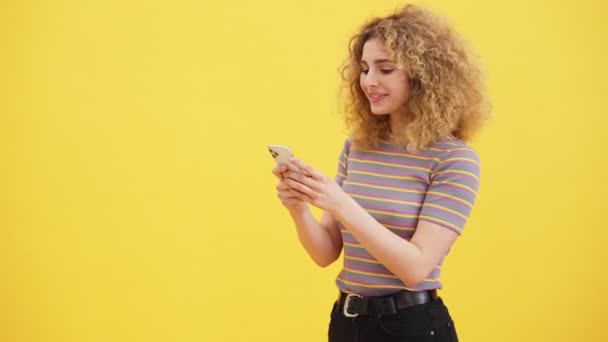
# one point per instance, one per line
(347, 302)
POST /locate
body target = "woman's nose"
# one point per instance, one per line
(370, 80)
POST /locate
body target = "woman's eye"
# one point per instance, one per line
(364, 71)
(387, 71)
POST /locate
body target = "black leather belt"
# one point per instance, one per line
(353, 305)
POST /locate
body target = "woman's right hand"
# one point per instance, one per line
(285, 192)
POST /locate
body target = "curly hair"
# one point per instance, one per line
(447, 93)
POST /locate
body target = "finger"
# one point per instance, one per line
(282, 186)
(301, 178)
(301, 196)
(279, 169)
(296, 185)
(297, 176)
(286, 195)
(307, 169)
(291, 194)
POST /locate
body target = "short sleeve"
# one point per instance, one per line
(343, 163)
(453, 189)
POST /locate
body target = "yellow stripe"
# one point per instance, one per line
(352, 245)
(375, 261)
(387, 176)
(396, 154)
(370, 273)
(451, 197)
(391, 214)
(451, 149)
(459, 172)
(384, 187)
(409, 229)
(374, 286)
(361, 259)
(465, 159)
(436, 220)
(341, 175)
(458, 186)
(390, 164)
(385, 200)
(445, 209)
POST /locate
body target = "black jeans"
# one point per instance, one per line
(418, 323)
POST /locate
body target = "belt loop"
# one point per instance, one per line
(386, 306)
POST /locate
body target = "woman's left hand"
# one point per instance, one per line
(315, 188)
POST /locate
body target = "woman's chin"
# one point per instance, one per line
(379, 112)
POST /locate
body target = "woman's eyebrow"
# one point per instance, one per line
(379, 61)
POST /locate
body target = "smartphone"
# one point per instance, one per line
(281, 155)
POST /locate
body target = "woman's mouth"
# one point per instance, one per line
(376, 98)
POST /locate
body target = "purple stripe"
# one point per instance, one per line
(402, 161)
(430, 153)
(378, 181)
(358, 253)
(397, 211)
(443, 215)
(450, 203)
(387, 170)
(385, 196)
(435, 273)
(379, 270)
(367, 280)
(404, 222)
(448, 189)
(405, 234)
(349, 238)
(444, 174)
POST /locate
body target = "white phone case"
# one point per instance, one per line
(281, 155)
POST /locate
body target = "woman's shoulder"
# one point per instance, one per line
(451, 147)
(447, 148)
(346, 145)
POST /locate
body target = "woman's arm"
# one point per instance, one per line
(322, 240)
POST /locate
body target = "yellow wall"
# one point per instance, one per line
(136, 197)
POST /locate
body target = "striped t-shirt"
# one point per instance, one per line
(398, 188)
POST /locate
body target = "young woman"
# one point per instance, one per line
(406, 179)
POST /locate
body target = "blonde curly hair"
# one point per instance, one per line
(447, 94)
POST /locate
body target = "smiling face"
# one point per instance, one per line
(387, 87)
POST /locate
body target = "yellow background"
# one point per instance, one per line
(136, 197)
